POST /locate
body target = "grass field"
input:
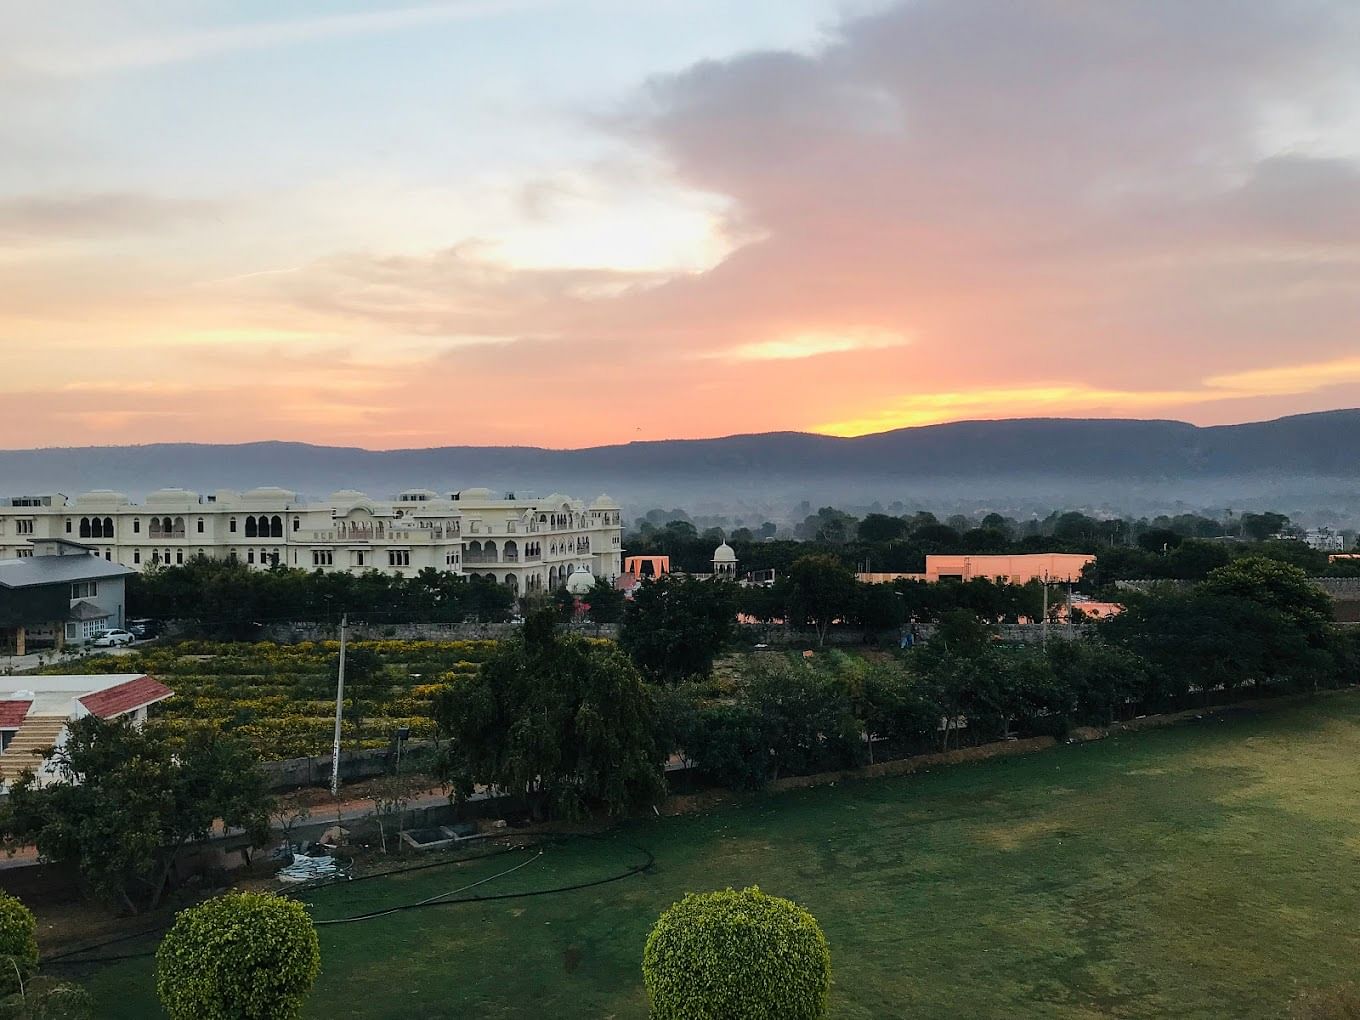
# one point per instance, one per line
(1204, 871)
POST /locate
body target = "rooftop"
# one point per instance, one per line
(105, 696)
(38, 570)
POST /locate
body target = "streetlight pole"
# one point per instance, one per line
(339, 710)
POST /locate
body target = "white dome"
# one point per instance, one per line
(580, 583)
(476, 494)
(603, 502)
(724, 554)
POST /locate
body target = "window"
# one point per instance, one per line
(108, 554)
(399, 558)
(231, 525)
(359, 559)
(23, 527)
(509, 527)
(136, 525)
(68, 525)
(84, 590)
(84, 527)
(23, 554)
(200, 525)
(297, 523)
(323, 557)
(275, 527)
(252, 530)
(179, 555)
(136, 556)
(250, 555)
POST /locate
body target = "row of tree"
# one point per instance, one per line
(579, 726)
(230, 599)
(1126, 548)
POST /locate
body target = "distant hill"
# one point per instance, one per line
(1309, 457)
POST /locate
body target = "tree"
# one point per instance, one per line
(129, 801)
(605, 602)
(242, 956)
(366, 689)
(18, 944)
(1259, 527)
(674, 628)
(566, 722)
(820, 590)
(737, 956)
(809, 722)
(1274, 585)
(879, 528)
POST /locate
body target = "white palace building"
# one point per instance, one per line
(527, 543)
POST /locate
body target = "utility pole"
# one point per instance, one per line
(339, 710)
(1044, 638)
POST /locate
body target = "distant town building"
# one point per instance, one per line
(528, 543)
(59, 593)
(1324, 540)
(1055, 568)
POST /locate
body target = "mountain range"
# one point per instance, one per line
(1305, 462)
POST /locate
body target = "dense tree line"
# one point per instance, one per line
(1185, 547)
(229, 599)
(1255, 625)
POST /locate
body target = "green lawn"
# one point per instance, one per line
(1205, 871)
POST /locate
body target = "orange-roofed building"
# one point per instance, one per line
(36, 710)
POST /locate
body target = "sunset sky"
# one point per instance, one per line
(574, 222)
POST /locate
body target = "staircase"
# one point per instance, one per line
(25, 751)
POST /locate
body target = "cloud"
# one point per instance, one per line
(813, 344)
(155, 50)
(1064, 207)
(35, 218)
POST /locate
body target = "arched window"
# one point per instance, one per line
(108, 527)
(155, 527)
(167, 525)
(68, 525)
(276, 527)
(84, 527)
(252, 532)
(178, 527)
(231, 525)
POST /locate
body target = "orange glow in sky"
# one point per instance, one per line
(542, 222)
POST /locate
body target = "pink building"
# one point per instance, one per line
(1020, 569)
(1056, 568)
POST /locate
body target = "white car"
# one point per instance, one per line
(113, 638)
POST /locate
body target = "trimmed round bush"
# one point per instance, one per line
(18, 943)
(242, 956)
(737, 956)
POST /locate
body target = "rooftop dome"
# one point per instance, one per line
(604, 502)
(724, 554)
(580, 583)
(476, 494)
(341, 495)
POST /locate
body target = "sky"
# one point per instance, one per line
(568, 223)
